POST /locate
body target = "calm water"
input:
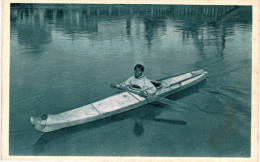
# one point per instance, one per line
(66, 56)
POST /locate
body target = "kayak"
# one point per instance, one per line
(115, 104)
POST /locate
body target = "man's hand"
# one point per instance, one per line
(143, 93)
(117, 86)
(147, 96)
(113, 85)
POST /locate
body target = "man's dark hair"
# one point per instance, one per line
(139, 66)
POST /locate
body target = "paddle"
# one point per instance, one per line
(150, 98)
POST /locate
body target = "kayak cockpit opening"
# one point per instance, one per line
(44, 117)
(157, 84)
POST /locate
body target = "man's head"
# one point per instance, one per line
(139, 69)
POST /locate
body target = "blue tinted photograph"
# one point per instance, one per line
(130, 80)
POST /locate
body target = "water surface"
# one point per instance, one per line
(66, 56)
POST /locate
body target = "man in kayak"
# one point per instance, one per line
(139, 81)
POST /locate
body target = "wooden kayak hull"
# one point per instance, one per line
(116, 104)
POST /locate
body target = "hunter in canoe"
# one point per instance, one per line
(138, 81)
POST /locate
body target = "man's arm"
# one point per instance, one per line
(123, 84)
(149, 87)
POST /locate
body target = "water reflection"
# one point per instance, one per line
(76, 20)
(139, 124)
(128, 26)
(32, 32)
(152, 23)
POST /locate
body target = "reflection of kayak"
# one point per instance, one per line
(115, 104)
